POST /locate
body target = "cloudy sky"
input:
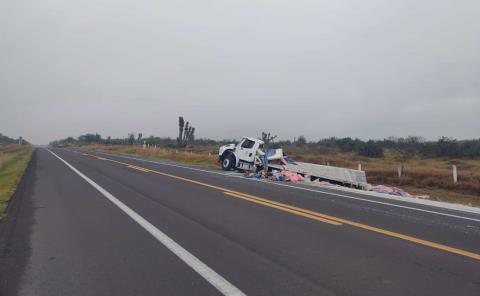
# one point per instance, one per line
(368, 69)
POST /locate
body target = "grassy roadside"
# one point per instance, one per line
(421, 176)
(199, 157)
(445, 195)
(13, 162)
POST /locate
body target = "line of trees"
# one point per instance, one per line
(135, 139)
(409, 146)
(5, 140)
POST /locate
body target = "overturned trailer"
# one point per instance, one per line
(248, 154)
(343, 176)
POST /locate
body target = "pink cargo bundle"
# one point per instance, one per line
(291, 176)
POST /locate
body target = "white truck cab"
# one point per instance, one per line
(245, 155)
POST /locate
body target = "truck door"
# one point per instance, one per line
(247, 150)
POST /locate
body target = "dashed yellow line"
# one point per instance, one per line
(307, 213)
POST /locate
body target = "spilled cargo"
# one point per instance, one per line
(248, 156)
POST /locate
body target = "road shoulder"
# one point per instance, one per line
(15, 231)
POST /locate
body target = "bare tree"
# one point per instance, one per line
(301, 141)
(186, 133)
(131, 138)
(181, 125)
(267, 139)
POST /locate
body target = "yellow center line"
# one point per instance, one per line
(284, 209)
(311, 214)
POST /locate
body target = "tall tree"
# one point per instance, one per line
(181, 125)
(186, 133)
(267, 139)
(131, 138)
(301, 141)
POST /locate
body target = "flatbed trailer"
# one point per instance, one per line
(343, 176)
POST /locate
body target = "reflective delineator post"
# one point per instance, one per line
(359, 166)
(454, 171)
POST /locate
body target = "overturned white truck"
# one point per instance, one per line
(248, 154)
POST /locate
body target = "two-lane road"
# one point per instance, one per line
(85, 223)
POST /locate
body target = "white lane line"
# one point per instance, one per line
(219, 282)
(308, 189)
(382, 203)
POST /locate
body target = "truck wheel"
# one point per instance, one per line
(228, 163)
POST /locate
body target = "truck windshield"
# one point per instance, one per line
(248, 144)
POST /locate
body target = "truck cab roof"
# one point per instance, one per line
(253, 139)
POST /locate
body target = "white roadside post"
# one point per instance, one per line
(454, 171)
(359, 166)
(400, 170)
(144, 145)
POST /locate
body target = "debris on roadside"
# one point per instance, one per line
(288, 176)
(254, 175)
(274, 165)
(324, 184)
(390, 190)
(248, 156)
(422, 196)
(275, 175)
(292, 177)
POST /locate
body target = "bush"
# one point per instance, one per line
(370, 149)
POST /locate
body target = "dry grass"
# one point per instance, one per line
(200, 157)
(13, 162)
(421, 172)
(8, 152)
(421, 176)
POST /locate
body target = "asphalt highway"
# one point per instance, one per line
(87, 223)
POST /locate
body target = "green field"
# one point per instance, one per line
(13, 162)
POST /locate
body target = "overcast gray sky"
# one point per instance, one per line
(367, 69)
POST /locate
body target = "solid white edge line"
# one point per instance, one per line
(311, 190)
(216, 280)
